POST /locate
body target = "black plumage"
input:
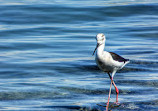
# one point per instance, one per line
(118, 58)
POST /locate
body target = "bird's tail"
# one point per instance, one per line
(126, 62)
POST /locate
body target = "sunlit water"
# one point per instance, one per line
(46, 60)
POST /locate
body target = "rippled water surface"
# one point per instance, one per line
(46, 60)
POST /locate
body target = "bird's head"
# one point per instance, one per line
(100, 40)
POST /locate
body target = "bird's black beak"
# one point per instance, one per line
(95, 49)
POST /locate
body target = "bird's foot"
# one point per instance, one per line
(116, 103)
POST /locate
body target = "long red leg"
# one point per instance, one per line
(109, 97)
(117, 91)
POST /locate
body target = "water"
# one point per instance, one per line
(46, 60)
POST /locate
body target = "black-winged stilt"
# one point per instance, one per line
(108, 62)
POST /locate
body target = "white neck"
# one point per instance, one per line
(100, 49)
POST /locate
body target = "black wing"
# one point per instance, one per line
(116, 57)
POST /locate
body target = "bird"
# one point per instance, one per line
(108, 62)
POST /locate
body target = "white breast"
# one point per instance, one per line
(104, 62)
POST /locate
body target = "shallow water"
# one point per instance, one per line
(46, 60)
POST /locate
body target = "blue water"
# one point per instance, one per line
(46, 60)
